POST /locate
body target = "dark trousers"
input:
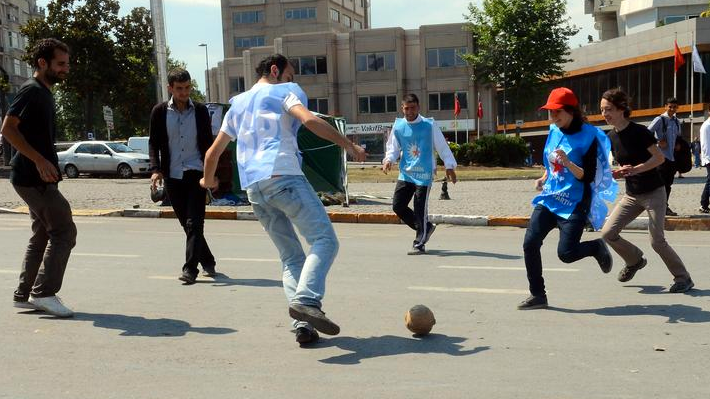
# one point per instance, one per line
(668, 170)
(417, 218)
(569, 249)
(188, 200)
(705, 196)
(53, 237)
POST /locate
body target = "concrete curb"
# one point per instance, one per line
(690, 223)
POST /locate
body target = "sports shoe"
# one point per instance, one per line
(188, 278)
(52, 305)
(681, 286)
(315, 317)
(628, 272)
(704, 210)
(417, 251)
(209, 271)
(533, 302)
(23, 305)
(305, 335)
(604, 257)
(669, 212)
(429, 232)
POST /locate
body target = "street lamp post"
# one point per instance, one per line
(505, 102)
(207, 74)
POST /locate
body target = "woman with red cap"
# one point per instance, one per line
(576, 182)
(635, 149)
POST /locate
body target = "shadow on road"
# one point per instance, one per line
(390, 345)
(445, 253)
(222, 280)
(675, 313)
(137, 326)
(659, 289)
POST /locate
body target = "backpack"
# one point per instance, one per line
(683, 155)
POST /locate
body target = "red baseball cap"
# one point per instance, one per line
(560, 97)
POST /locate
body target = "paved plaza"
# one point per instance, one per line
(138, 333)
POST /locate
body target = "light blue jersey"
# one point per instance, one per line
(266, 134)
(417, 144)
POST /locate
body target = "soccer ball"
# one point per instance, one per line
(419, 320)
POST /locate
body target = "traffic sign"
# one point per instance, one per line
(109, 124)
(108, 114)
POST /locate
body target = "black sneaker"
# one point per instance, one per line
(682, 286)
(429, 232)
(315, 317)
(305, 336)
(188, 278)
(628, 272)
(417, 251)
(533, 302)
(704, 210)
(604, 257)
(208, 271)
(669, 212)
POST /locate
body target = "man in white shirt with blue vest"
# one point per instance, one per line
(265, 121)
(414, 139)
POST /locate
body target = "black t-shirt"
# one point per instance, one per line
(34, 106)
(630, 147)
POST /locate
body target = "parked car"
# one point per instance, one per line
(103, 157)
(138, 144)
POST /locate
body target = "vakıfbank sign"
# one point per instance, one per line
(367, 128)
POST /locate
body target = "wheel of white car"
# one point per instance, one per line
(125, 171)
(71, 171)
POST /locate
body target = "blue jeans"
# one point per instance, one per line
(281, 203)
(569, 249)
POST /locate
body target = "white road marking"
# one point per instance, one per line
(551, 269)
(249, 260)
(105, 255)
(180, 232)
(9, 271)
(472, 290)
(13, 228)
(176, 277)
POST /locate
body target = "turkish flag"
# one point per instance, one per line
(480, 110)
(679, 60)
(457, 106)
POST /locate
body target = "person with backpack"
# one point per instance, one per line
(666, 128)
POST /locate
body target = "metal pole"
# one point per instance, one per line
(161, 52)
(207, 73)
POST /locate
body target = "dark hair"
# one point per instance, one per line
(178, 75)
(264, 67)
(44, 49)
(410, 98)
(620, 100)
(671, 100)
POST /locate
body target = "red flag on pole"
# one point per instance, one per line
(457, 106)
(480, 110)
(678, 57)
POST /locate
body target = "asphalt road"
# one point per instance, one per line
(139, 333)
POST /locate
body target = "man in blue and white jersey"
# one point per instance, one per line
(414, 139)
(265, 121)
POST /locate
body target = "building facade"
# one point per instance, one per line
(14, 14)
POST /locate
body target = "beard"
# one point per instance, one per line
(54, 77)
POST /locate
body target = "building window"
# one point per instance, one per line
(17, 67)
(248, 41)
(375, 62)
(347, 21)
(248, 17)
(377, 104)
(357, 24)
(236, 85)
(445, 101)
(301, 13)
(445, 57)
(319, 105)
(14, 40)
(334, 15)
(310, 65)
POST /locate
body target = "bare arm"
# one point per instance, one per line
(10, 132)
(323, 130)
(211, 158)
(656, 159)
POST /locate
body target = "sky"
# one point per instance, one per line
(188, 23)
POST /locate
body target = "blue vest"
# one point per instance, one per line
(417, 143)
(258, 116)
(562, 191)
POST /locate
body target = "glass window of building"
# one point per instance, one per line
(248, 41)
(375, 62)
(248, 17)
(377, 104)
(445, 57)
(236, 85)
(357, 24)
(363, 105)
(301, 13)
(433, 101)
(463, 99)
(17, 66)
(321, 65)
(318, 105)
(334, 15)
(347, 21)
(445, 101)
(309, 65)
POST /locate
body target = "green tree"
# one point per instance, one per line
(706, 13)
(518, 43)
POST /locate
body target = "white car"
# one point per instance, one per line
(103, 157)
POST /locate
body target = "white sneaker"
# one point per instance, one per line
(52, 305)
(24, 305)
